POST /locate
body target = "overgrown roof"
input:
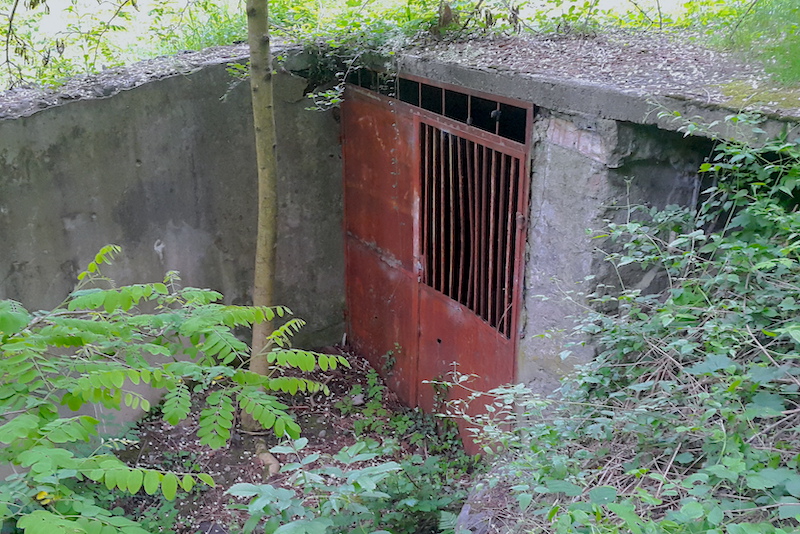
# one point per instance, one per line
(638, 63)
(26, 100)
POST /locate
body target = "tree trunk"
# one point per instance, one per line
(264, 122)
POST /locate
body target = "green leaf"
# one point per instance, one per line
(207, 479)
(723, 472)
(562, 486)
(793, 330)
(135, 479)
(766, 405)
(111, 301)
(793, 486)
(712, 363)
(169, 486)
(318, 525)
(627, 513)
(187, 483)
(280, 427)
(152, 480)
(789, 510)
(524, 500)
(19, 427)
(13, 317)
(716, 516)
(603, 495)
(692, 510)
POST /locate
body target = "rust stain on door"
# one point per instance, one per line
(435, 226)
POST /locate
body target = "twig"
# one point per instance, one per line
(9, 34)
(739, 22)
(769, 356)
(660, 15)
(642, 11)
(106, 28)
(665, 471)
(475, 10)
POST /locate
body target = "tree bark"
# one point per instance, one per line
(265, 138)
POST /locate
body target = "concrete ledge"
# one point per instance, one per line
(594, 100)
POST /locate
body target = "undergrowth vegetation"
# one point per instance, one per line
(92, 351)
(688, 419)
(372, 486)
(766, 30)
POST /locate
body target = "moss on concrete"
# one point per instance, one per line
(742, 94)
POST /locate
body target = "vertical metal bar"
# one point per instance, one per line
(452, 140)
(497, 119)
(484, 181)
(511, 225)
(434, 134)
(491, 296)
(463, 223)
(502, 209)
(469, 223)
(441, 212)
(521, 231)
(425, 200)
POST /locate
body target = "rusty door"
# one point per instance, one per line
(380, 229)
(434, 204)
(473, 197)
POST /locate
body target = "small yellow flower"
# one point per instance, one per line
(43, 497)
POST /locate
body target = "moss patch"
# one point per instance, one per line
(742, 94)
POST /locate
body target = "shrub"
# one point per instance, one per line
(687, 420)
(352, 491)
(88, 351)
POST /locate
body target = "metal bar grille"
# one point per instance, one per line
(469, 223)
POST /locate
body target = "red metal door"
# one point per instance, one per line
(379, 222)
(434, 232)
(473, 196)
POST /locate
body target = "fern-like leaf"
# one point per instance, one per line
(177, 403)
(216, 420)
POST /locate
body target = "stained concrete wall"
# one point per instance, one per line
(595, 150)
(587, 171)
(167, 170)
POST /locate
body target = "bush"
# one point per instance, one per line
(352, 491)
(687, 420)
(88, 351)
(766, 30)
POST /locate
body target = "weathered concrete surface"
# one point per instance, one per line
(586, 171)
(167, 170)
(589, 99)
(596, 150)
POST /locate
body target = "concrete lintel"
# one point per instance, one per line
(603, 101)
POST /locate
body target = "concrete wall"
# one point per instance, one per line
(585, 171)
(595, 150)
(167, 170)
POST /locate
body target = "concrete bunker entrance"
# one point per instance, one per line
(436, 180)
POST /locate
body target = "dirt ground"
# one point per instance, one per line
(164, 446)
